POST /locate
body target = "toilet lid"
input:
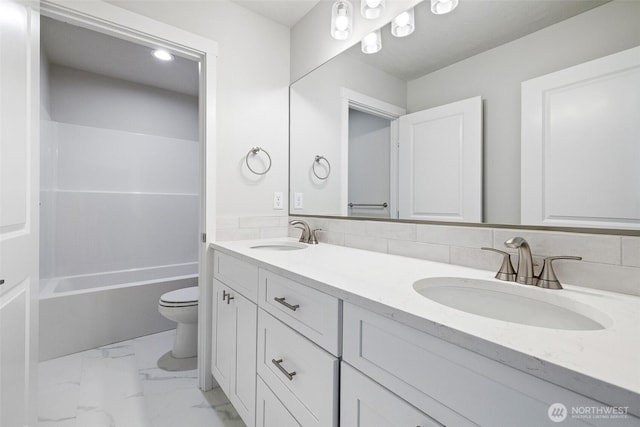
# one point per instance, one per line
(184, 296)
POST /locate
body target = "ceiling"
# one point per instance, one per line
(473, 27)
(86, 50)
(285, 12)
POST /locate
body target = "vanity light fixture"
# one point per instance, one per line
(372, 9)
(372, 42)
(440, 7)
(341, 19)
(403, 24)
(162, 55)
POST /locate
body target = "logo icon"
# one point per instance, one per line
(557, 412)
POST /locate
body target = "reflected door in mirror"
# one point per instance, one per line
(440, 163)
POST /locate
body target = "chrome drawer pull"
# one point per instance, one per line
(284, 371)
(286, 304)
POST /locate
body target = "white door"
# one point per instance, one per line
(19, 150)
(440, 163)
(581, 145)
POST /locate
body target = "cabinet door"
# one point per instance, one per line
(233, 362)
(270, 412)
(365, 403)
(223, 340)
(243, 382)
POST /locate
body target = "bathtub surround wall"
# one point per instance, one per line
(117, 193)
(610, 262)
(117, 200)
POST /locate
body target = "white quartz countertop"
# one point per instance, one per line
(602, 364)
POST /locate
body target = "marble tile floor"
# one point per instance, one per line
(134, 383)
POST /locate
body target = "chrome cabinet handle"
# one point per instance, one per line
(227, 295)
(284, 371)
(286, 304)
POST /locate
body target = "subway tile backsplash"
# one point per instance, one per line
(610, 262)
(251, 227)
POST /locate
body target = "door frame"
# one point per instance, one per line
(351, 99)
(117, 22)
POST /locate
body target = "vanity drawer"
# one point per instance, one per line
(270, 412)
(239, 275)
(365, 403)
(314, 314)
(302, 375)
(455, 386)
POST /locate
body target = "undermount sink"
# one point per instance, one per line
(280, 246)
(527, 305)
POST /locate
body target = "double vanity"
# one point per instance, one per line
(324, 335)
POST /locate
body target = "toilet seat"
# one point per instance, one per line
(186, 297)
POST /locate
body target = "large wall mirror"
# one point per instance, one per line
(347, 115)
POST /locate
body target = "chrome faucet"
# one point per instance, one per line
(308, 235)
(524, 274)
(524, 271)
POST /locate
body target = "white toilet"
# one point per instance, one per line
(181, 306)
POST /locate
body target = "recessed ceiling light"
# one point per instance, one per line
(162, 55)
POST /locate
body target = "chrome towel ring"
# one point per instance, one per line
(254, 151)
(317, 161)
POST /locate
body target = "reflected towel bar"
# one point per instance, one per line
(369, 205)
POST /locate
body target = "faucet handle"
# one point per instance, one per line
(304, 238)
(506, 271)
(547, 278)
(312, 236)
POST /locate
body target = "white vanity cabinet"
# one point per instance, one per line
(233, 356)
(287, 354)
(455, 386)
(365, 403)
(270, 412)
(298, 345)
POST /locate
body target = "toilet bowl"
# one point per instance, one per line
(181, 306)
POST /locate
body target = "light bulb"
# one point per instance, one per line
(341, 20)
(370, 38)
(402, 19)
(403, 24)
(440, 7)
(342, 23)
(371, 43)
(371, 9)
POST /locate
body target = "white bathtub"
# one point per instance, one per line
(87, 311)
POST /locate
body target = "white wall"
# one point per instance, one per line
(252, 96)
(90, 99)
(496, 75)
(316, 127)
